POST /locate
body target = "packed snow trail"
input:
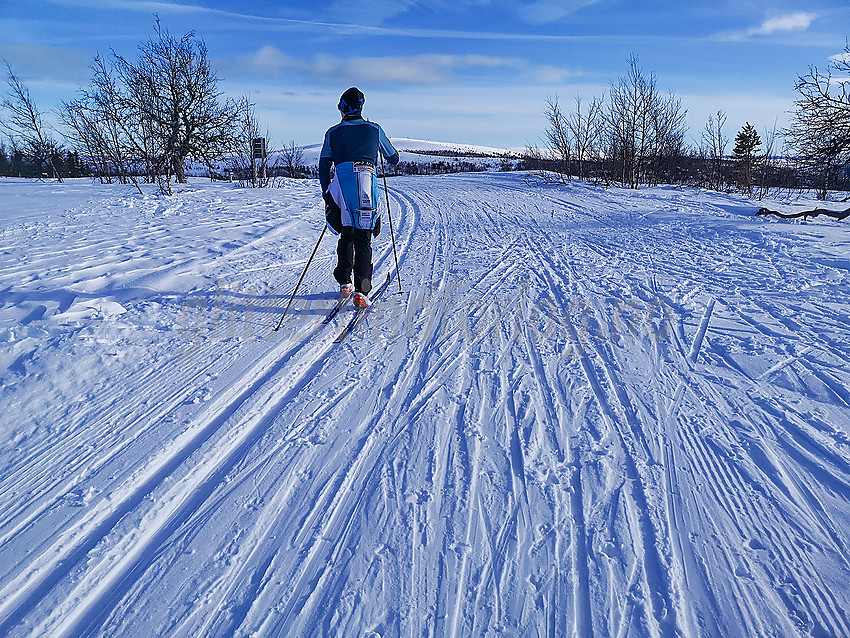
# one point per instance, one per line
(593, 412)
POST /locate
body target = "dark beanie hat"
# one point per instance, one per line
(351, 101)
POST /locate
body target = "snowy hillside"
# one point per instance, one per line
(590, 413)
(426, 151)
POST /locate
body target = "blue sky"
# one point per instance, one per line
(469, 71)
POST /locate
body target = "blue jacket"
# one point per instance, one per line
(352, 146)
(353, 140)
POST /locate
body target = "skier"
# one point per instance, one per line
(351, 198)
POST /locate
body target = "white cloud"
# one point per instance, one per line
(269, 61)
(781, 24)
(548, 74)
(422, 69)
(790, 22)
(415, 70)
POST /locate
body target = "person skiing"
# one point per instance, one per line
(351, 197)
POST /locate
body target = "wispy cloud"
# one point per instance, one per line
(148, 6)
(545, 11)
(379, 12)
(373, 12)
(536, 12)
(37, 61)
(415, 70)
(781, 24)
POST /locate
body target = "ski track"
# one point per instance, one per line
(589, 413)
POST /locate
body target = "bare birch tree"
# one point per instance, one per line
(25, 123)
(820, 125)
(645, 128)
(557, 136)
(291, 160)
(585, 126)
(176, 106)
(714, 144)
(105, 126)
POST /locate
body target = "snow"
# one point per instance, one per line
(591, 412)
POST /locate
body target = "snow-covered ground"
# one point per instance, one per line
(591, 413)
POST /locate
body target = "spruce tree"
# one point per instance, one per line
(747, 143)
(5, 166)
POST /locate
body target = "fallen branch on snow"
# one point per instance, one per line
(806, 213)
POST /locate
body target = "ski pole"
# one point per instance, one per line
(298, 285)
(389, 214)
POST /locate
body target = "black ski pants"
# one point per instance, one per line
(354, 253)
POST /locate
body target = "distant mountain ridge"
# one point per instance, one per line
(412, 150)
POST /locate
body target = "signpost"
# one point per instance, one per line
(258, 146)
(258, 152)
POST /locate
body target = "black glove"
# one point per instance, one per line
(328, 199)
(377, 230)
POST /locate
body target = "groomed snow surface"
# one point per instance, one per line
(591, 413)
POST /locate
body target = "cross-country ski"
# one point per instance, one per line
(339, 305)
(360, 312)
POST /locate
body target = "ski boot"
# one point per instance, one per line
(361, 300)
